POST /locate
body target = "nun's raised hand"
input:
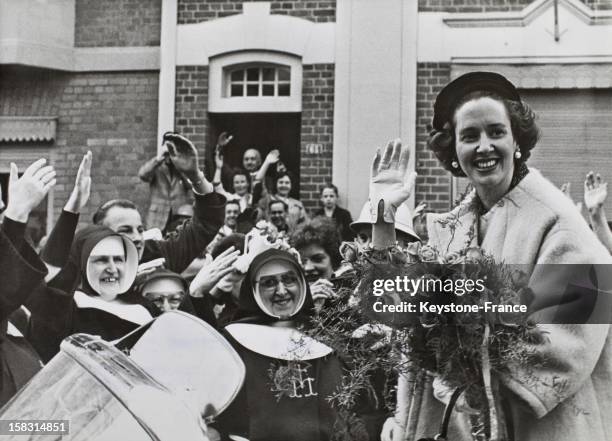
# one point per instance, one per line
(82, 186)
(595, 191)
(29, 190)
(391, 181)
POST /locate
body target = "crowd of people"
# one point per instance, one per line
(243, 255)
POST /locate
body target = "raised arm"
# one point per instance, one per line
(595, 194)
(147, 171)
(217, 182)
(21, 269)
(271, 158)
(57, 249)
(181, 248)
(184, 156)
(391, 183)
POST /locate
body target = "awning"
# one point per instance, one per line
(27, 128)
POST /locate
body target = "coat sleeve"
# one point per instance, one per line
(200, 307)
(148, 169)
(564, 358)
(21, 270)
(52, 320)
(57, 249)
(181, 248)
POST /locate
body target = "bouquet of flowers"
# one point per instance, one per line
(461, 317)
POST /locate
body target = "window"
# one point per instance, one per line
(255, 82)
(259, 81)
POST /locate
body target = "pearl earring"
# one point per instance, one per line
(455, 164)
(517, 154)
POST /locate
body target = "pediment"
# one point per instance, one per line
(527, 15)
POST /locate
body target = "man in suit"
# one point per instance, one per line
(169, 190)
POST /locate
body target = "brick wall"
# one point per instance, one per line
(113, 115)
(191, 105)
(598, 4)
(473, 5)
(191, 119)
(117, 23)
(317, 128)
(196, 11)
(433, 181)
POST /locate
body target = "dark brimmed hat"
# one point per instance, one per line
(453, 93)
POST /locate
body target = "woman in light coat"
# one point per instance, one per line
(483, 130)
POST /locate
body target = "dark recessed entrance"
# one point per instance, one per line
(262, 131)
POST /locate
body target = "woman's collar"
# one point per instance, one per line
(278, 342)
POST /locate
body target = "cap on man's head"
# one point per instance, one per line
(452, 94)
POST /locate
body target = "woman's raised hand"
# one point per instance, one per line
(273, 156)
(595, 191)
(27, 191)
(390, 180)
(213, 271)
(218, 159)
(82, 186)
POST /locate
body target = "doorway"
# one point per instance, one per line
(261, 131)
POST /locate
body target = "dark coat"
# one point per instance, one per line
(21, 272)
(343, 221)
(190, 240)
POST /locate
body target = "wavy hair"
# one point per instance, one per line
(522, 123)
(322, 232)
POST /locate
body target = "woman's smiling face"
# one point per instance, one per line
(279, 289)
(106, 267)
(283, 186)
(485, 145)
(241, 184)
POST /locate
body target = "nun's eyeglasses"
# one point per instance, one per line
(158, 298)
(270, 283)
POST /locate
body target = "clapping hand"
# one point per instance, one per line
(25, 193)
(82, 186)
(595, 192)
(212, 272)
(390, 179)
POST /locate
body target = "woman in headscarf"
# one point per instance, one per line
(484, 131)
(289, 376)
(101, 268)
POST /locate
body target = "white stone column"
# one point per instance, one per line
(167, 70)
(375, 88)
